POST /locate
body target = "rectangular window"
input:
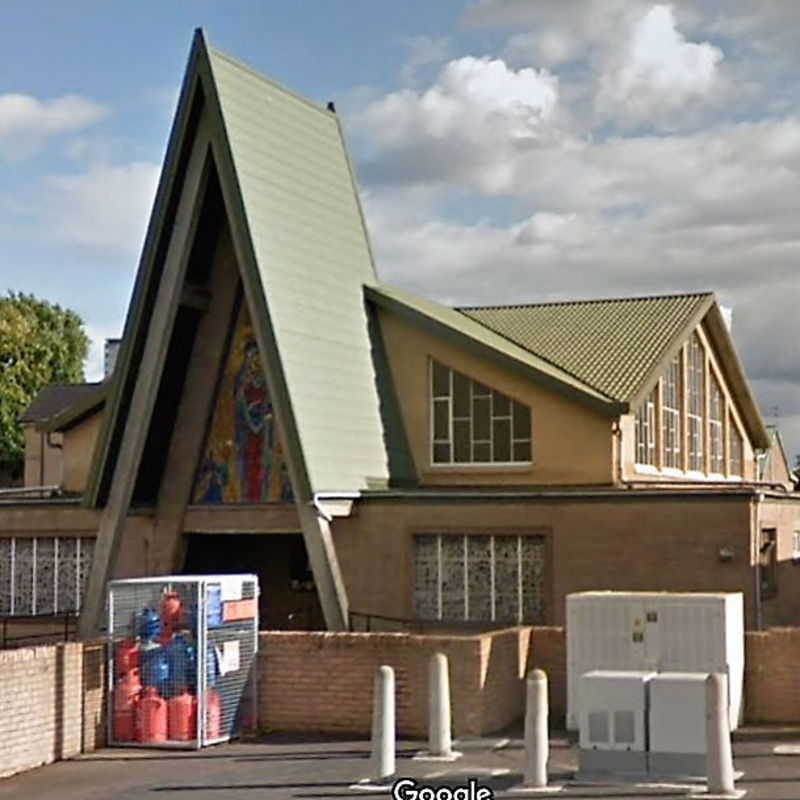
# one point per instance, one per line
(646, 431)
(735, 447)
(479, 577)
(471, 424)
(715, 411)
(672, 389)
(694, 416)
(43, 575)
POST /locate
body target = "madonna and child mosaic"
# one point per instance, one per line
(243, 457)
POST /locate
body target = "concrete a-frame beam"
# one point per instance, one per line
(112, 521)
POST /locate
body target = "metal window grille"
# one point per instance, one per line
(42, 575)
(479, 577)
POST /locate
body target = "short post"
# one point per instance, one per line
(439, 723)
(719, 760)
(536, 736)
(383, 726)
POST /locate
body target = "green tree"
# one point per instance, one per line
(40, 343)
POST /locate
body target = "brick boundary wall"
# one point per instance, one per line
(772, 675)
(51, 704)
(323, 682)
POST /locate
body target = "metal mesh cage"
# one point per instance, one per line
(182, 655)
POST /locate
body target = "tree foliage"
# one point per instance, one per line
(40, 343)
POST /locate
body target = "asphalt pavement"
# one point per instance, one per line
(305, 767)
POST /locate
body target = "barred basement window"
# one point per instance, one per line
(472, 424)
(715, 410)
(671, 414)
(694, 416)
(479, 577)
(646, 431)
(43, 575)
(735, 447)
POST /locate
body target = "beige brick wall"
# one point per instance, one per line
(323, 682)
(772, 675)
(47, 696)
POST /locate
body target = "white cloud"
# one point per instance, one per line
(26, 122)
(105, 208)
(659, 70)
(476, 110)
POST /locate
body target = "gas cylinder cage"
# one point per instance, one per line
(181, 660)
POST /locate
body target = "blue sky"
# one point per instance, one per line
(507, 150)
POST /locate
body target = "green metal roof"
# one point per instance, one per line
(477, 336)
(613, 345)
(310, 243)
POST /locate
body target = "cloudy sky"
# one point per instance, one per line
(507, 150)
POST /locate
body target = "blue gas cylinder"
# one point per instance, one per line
(178, 655)
(212, 666)
(148, 624)
(214, 605)
(155, 668)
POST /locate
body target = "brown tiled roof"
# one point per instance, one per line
(56, 398)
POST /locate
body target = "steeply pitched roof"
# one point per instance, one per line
(611, 345)
(302, 247)
(55, 400)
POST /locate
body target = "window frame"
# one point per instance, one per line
(489, 393)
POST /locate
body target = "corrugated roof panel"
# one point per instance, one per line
(612, 345)
(313, 257)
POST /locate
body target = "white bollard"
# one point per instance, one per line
(719, 759)
(383, 727)
(440, 741)
(536, 735)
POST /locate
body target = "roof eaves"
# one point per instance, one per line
(147, 273)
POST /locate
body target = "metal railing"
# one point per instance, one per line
(367, 622)
(18, 630)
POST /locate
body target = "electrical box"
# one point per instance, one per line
(181, 666)
(658, 632)
(677, 724)
(613, 722)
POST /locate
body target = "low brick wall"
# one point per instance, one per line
(324, 681)
(772, 675)
(51, 704)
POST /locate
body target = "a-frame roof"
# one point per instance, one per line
(302, 246)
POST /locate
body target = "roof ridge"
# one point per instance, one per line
(266, 79)
(587, 301)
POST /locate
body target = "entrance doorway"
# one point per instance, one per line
(288, 599)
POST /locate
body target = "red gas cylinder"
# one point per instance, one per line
(171, 611)
(126, 697)
(151, 717)
(213, 714)
(126, 656)
(182, 716)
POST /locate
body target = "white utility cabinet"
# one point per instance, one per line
(658, 632)
(613, 722)
(677, 724)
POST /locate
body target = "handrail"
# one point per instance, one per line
(368, 617)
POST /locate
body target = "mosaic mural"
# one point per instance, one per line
(243, 458)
